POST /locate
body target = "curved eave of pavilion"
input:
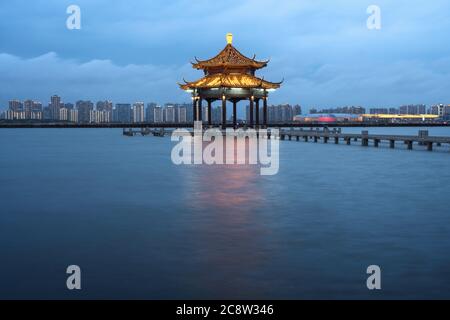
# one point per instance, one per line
(225, 66)
(206, 66)
(230, 81)
(223, 57)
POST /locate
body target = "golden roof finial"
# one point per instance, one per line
(229, 38)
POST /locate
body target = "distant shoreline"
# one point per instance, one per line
(56, 125)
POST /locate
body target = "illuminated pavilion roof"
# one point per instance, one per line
(230, 69)
(230, 80)
(230, 57)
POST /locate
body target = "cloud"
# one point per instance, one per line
(139, 50)
(332, 84)
(42, 76)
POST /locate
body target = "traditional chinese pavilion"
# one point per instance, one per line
(230, 76)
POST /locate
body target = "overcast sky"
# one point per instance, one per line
(130, 51)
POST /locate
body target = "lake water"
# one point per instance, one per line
(141, 227)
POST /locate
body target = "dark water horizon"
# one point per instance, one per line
(141, 227)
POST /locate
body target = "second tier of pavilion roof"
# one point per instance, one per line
(230, 80)
(229, 58)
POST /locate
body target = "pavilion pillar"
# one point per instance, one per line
(224, 112)
(234, 114)
(251, 112)
(265, 111)
(194, 108)
(209, 112)
(200, 111)
(257, 113)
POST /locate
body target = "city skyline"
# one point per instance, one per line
(324, 51)
(106, 111)
(241, 110)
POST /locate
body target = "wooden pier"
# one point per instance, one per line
(130, 132)
(336, 135)
(326, 135)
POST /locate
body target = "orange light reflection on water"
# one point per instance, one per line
(227, 186)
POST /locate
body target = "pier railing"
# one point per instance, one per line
(423, 138)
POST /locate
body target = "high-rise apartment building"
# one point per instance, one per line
(63, 114)
(138, 112)
(104, 106)
(15, 106)
(169, 114)
(441, 110)
(124, 113)
(181, 114)
(378, 111)
(72, 115)
(84, 111)
(158, 114)
(55, 105)
(149, 112)
(32, 109)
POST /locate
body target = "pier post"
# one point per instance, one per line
(422, 134)
(305, 138)
(364, 138)
(391, 144)
(336, 140)
(410, 145)
(290, 137)
(325, 139)
(348, 140)
(376, 142)
(430, 146)
(315, 138)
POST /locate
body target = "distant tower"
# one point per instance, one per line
(55, 106)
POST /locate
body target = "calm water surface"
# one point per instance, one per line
(142, 227)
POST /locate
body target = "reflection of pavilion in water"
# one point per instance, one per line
(227, 227)
(227, 186)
